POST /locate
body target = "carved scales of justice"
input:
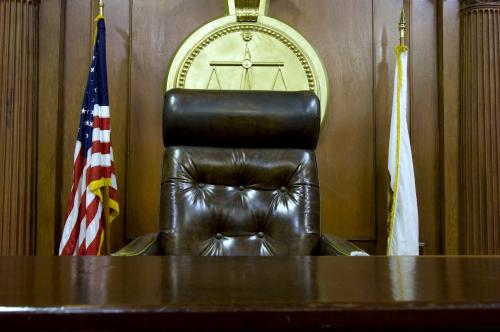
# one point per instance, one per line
(248, 50)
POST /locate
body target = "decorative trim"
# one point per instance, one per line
(247, 10)
(181, 80)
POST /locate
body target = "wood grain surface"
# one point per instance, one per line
(449, 132)
(249, 293)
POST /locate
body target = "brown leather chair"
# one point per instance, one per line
(239, 177)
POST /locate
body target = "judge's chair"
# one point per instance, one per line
(239, 177)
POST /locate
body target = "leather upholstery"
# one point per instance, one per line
(251, 119)
(245, 196)
(225, 201)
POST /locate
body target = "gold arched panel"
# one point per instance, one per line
(248, 50)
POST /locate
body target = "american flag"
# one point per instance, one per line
(93, 167)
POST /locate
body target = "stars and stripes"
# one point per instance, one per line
(93, 167)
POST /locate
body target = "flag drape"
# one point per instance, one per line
(403, 216)
(93, 164)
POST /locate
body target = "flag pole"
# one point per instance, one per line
(402, 26)
(105, 194)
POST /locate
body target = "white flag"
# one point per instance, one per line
(403, 215)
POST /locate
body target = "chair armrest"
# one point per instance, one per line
(144, 245)
(332, 245)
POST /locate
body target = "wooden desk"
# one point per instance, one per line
(251, 293)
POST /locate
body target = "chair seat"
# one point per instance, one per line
(256, 244)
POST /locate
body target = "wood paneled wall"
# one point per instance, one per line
(356, 41)
(18, 125)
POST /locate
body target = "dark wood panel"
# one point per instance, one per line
(424, 121)
(449, 78)
(51, 62)
(345, 151)
(158, 28)
(250, 293)
(18, 98)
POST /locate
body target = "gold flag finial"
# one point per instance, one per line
(402, 26)
(101, 8)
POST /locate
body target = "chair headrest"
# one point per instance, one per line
(241, 119)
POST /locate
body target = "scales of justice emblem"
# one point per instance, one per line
(278, 84)
(248, 50)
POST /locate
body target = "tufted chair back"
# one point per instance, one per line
(239, 173)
